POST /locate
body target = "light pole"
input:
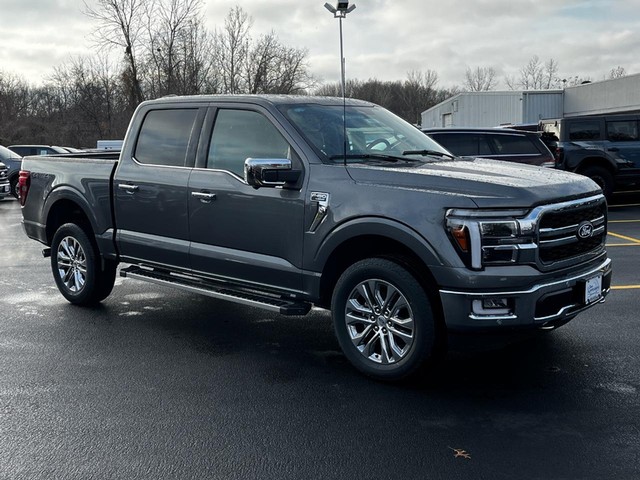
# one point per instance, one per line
(340, 11)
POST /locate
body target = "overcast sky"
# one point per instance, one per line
(384, 39)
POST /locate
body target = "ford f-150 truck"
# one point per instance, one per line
(286, 202)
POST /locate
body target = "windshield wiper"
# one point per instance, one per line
(433, 153)
(374, 156)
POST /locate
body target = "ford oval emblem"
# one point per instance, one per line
(585, 230)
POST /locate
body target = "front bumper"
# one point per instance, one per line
(5, 189)
(545, 305)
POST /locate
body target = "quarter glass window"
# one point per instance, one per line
(514, 145)
(622, 131)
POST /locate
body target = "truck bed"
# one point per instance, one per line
(84, 178)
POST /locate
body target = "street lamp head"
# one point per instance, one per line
(330, 7)
(341, 8)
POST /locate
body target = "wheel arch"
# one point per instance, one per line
(368, 238)
(66, 206)
(589, 162)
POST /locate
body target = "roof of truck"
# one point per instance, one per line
(263, 99)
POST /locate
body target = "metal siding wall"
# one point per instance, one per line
(482, 109)
(433, 116)
(489, 109)
(610, 96)
(542, 105)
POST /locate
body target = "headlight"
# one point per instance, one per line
(489, 237)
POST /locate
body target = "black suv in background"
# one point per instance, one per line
(605, 148)
(4, 183)
(13, 161)
(499, 144)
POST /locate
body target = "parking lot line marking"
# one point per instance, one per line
(625, 287)
(624, 221)
(622, 245)
(623, 237)
(625, 205)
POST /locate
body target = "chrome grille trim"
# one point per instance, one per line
(558, 229)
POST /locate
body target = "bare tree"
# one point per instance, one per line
(480, 79)
(535, 75)
(15, 103)
(407, 99)
(170, 26)
(418, 90)
(550, 74)
(121, 25)
(233, 49)
(272, 67)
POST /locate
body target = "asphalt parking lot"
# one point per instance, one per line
(160, 384)
(623, 241)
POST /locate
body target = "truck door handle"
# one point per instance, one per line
(127, 187)
(203, 196)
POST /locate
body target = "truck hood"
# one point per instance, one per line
(488, 183)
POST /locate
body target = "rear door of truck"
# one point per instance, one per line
(150, 186)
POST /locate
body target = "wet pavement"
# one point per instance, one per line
(160, 384)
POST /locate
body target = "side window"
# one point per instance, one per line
(164, 137)
(587, 130)
(241, 134)
(458, 144)
(513, 145)
(622, 131)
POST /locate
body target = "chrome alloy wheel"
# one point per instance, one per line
(72, 264)
(379, 321)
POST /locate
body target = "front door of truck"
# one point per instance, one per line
(237, 232)
(150, 187)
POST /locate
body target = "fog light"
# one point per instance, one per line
(492, 306)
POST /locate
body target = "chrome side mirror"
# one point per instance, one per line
(269, 172)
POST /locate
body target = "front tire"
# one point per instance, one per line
(15, 189)
(384, 321)
(76, 267)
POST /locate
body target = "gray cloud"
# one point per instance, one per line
(383, 38)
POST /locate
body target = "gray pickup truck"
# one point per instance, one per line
(286, 202)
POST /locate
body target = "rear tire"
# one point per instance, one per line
(384, 321)
(602, 177)
(77, 269)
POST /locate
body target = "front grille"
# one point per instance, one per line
(558, 230)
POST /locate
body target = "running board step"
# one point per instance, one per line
(216, 290)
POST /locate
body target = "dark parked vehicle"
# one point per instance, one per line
(262, 200)
(25, 150)
(4, 181)
(605, 148)
(13, 161)
(500, 144)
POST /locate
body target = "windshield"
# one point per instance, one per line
(372, 133)
(6, 154)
